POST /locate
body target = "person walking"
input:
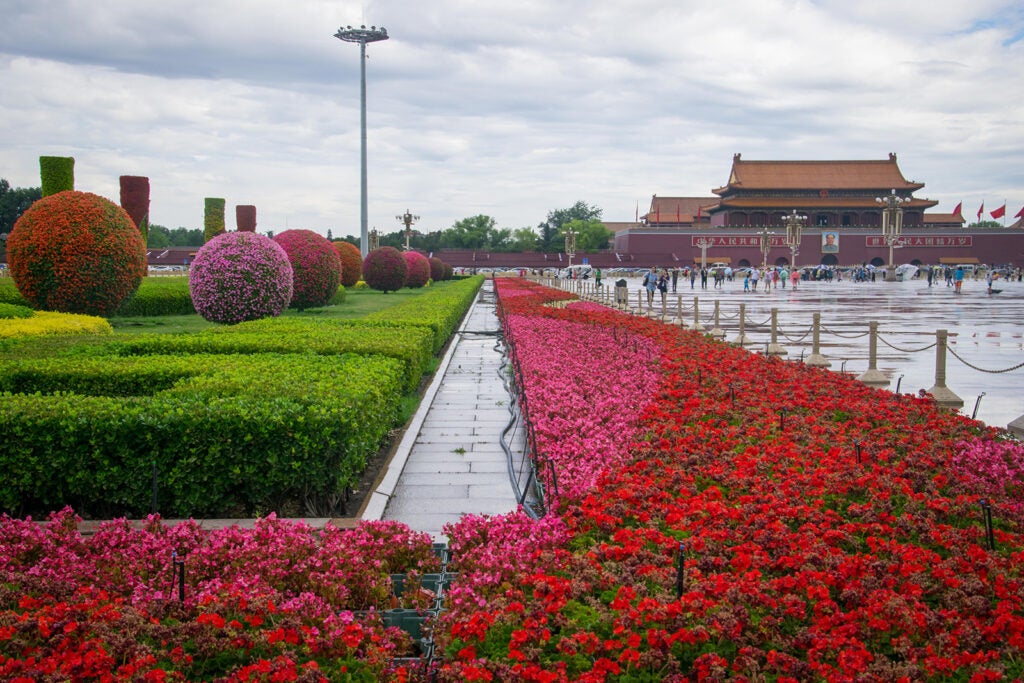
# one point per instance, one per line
(703, 278)
(755, 274)
(958, 279)
(746, 281)
(597, 277)
(675, 276)
(693, 276)
(650, 284)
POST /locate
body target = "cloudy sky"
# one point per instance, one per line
(509, 109)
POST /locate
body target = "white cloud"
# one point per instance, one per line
(510, 109)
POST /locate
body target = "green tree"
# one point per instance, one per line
(591, 235)
(13, 202)
(986, 224)
(551, 229)
(524, 239)
(183, 237)
(473, 232)
(158, 237)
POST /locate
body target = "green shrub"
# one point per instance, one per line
(159, 296)
(410, 344)
(228, 434)
(15, 311)
(440, 308)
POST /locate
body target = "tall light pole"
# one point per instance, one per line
(765, 238)
(407, 219)
(374, 240)
(892, 225)
(362, 35)
(794, 231)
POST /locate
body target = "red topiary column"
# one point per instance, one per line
(245, 217)
(213, 218)
(135, 200)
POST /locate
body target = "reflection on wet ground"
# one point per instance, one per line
(986, 331)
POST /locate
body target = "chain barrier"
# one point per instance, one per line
(799, 339)
(901, 350)
(764, 324)
(845, 336)
(975, 367)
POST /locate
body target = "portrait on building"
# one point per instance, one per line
(829, 242)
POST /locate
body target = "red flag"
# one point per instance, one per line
(678, 218)
(1020, 214)
(959, 209)
(981, 210)
(1000, 212)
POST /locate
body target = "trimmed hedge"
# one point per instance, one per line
(223, 431)
(46, 323)
(412, 345)
(167, 295)
(440, 308)
(8, 311)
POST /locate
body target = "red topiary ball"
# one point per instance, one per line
(436, 269)
(385, 269)
(316, 267)
(351, 262)
(419, 270)
(76, 252)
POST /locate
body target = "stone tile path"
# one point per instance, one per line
(450, 462)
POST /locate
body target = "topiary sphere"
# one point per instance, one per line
(239, 276)
(351, 262)
(418, 270)
(436, 269)
(449, 272)
(385, 269)
(76, 252)
(316, 267)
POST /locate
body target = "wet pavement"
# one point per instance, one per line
(985, 331)
(450, 462)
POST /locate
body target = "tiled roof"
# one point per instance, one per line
(618, 227)
(801, 203)
(667, 209)
(944, 219)
(816, 175)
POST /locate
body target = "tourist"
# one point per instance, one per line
(746, 281)
(703, 278)
(650, 284)
(675, 276)
(663, 286)
(693, 276)
(958, 279)
(755, 274)
(597, 277)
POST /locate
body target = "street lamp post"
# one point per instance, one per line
(362, 35)
(374, 240)
(765, 238)
(570, 244)
(704, 243)
(408, 219)
(892, 225)
(794, 231)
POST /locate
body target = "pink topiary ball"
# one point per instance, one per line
(239, 276)
(384, 269)
(351, 263)
(316, 267)
(418, 269)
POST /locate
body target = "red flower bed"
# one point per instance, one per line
(822, 533)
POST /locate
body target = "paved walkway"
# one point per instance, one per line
(450, 461)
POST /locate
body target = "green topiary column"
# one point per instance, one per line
(213, 221)
(57, 173)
